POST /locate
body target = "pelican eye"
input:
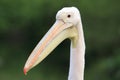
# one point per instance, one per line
(68, 15)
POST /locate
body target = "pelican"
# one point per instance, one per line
(68, 25)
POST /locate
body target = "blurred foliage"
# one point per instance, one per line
(24, 22)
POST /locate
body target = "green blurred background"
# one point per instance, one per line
(24, 22)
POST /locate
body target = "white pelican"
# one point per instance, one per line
(68, 25)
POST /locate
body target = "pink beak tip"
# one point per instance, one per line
(25, 71)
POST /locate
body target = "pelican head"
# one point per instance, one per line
(69, 15)
(65, 26)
